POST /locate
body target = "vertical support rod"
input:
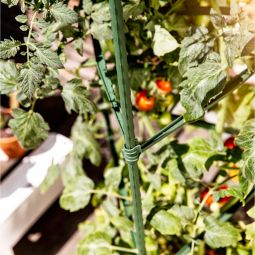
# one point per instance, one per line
(127, 116)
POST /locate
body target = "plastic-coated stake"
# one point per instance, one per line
(127, 117)
(102, 70)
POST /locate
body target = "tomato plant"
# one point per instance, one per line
(144, 102)
(162, 40)
(230, 143)
(164, 86)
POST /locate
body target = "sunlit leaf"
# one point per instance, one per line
(76, 194)
(203, 84)
(166, 223)
(75, 96)
(85, 145)
(30, 78)
(48, 57)
(246, 140)
(164, 42)
(220, 234)
(52, 175)
(63, 14)
(29, 127)
(9, 48)
(8, 77)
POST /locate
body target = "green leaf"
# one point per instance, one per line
(122, 223)
(239, 106)
(8, 77)
(246, 140)
(87, 6)
(217, 19)
(24, 27)
(72, 168)
(85, 144)
(10, 2)
(110, 207)
(63, 14)
(203, 84)
(185, 213)
(240, 192)
(29, 127)
(95, 244)
(251, 212)
(166, 223)
(76, 194)
(75, 96)
(137, 77)
(21, 18)
(155, 180)
(164, 42)
(101, 31)
(234, 191)
(250, 231)
(220, 234)
(132, 9)
(48, 57)
(9, 48)
(113, 177)
(101, 12)
(175, 176)
(194, 49)
(197, 155)
(52, 175)
(30, 79)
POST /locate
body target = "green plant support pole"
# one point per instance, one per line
(127, 117)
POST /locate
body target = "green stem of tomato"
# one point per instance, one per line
(147, 124)
(29, 36)
(118, 248)
(102, 192)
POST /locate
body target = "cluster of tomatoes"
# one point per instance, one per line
(230, 145)
(144, 102)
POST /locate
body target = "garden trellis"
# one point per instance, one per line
(169, 43)
(124, 116)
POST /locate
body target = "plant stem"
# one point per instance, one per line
(192, 247)
(147, 125)
(33, 104)
(150, 189)
(101, 192)
(29, 36)
(209, 193)
(118, 248)
(215, 6)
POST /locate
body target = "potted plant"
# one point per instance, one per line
(8, 142)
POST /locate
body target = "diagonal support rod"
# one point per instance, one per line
(102, 70)
(127, 117)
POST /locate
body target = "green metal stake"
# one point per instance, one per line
(127, 118)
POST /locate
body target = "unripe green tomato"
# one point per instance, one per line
(167, 101)
(165, 118)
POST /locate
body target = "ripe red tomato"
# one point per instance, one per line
(143, 102)
(163, 85)
(230, 143)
